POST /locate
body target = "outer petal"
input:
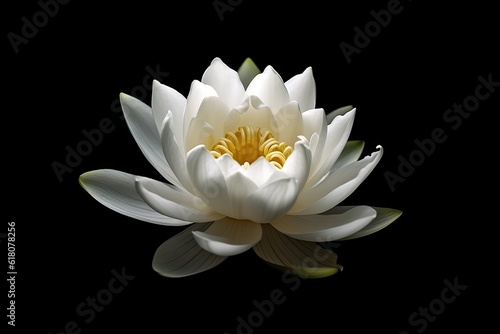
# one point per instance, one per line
(269, 87)
(181, 256)
(336, 186)
(320, 228)
(302, 88)
(225, 81)
(229, 237)
(339, 111)
(303, 258)
(385, 217)
(116, 190)
(165, 99)
(140, 121)
(173, 202)
(337, 134)
(174, 155)
(351, 153)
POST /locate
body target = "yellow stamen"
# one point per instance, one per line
(247, 144)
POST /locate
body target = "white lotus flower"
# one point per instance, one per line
(250, 162)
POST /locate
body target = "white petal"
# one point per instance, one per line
(200, 133)
(252, 112)
(139, 118)
(239, 187)
(271, 201)
(208, 180)
(298, 164)
(226, 193)
(225, 81)
(339, 111)
(181, 256)
(337, 134)
(303, 258)
(173, 202)
(269, 87)
(314, 121)
(116, 190)
(335, 187)
(320, 228)
(302, 88)
(174, 155)
(351, 153)
(197, 93)
(208, 125)
(229, 237)
(164, 99)
(261, 172)
(228, 165)
(315, 130)
(289, 122)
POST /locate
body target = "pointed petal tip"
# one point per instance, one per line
(217, 60)
(248, 62)
(156, 84)
(124, 96)
(84, 178)
(81, 179)
(247, 72)
(269, 68)
(342, 111)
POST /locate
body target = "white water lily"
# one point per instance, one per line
(250, 162)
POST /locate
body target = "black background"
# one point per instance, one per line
(66, 79)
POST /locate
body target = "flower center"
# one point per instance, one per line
(247, 144)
